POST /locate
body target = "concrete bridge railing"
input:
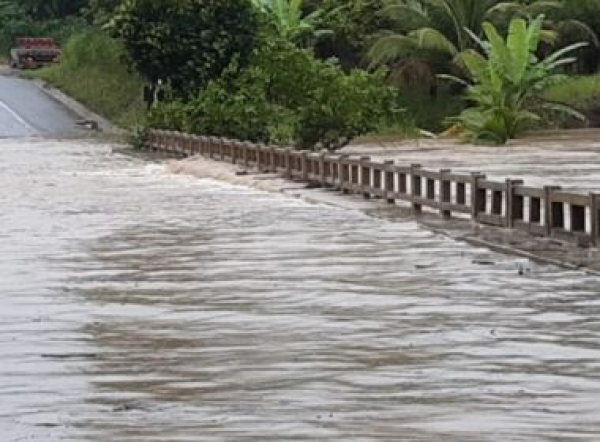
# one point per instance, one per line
(547, 211)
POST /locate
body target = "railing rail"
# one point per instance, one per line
(548, 211)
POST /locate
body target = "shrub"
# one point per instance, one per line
(340, 107)
(285, 96)
(93, 71)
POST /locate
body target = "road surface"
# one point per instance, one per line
(26, 110)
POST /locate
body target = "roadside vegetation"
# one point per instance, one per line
(319, 73)
(94, 71)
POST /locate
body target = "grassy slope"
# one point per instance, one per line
(583, 93)
(93, 72)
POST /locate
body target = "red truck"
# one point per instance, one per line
(32, 53)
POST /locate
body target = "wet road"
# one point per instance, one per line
(25, 110)
(142, 306)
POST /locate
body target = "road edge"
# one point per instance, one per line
(76, 107)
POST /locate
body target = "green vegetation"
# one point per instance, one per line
(289, 21)
(581, 93)
(319, 73)
(276, 92)
(16, 22)
(310, 103)
(428, 36)
(94, 72)
(508, 80)
(186, 42)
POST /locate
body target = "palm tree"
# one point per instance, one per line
(431, 32)
(290, 21)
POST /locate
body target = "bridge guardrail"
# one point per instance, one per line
(548, 211)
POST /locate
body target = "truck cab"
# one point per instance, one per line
(33, 53)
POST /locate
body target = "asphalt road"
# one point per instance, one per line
(27, 111)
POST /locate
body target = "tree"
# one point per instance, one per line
(430, 33)
(508, 81)
(352, 23)
(185, 42)
(47, 9)
(101, 11)
(572, 15)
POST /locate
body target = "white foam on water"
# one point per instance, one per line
(225, 173)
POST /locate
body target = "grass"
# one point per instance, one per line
(93, 71)
(582, 93)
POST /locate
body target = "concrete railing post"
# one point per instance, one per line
(445, 194)
(554, 216)
(322, 174)
(246, 154)
(343, 174)
(223, 142)
(388, 182)
(514, 204)
(304, 166)
(273, 159)
(365, 177)
(235, 152)
(416, 190)
(288, 163)
(478, 196)
(577, 218)
(595, 218)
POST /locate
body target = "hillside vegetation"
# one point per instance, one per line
(318, 73)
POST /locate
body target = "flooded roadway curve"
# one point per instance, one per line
(141, 306)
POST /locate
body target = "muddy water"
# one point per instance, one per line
(141, 306)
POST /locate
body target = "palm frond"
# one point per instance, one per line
(431, 39)
(389, 47)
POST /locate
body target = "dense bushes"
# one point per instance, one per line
(285, 96)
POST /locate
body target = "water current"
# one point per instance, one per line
(137, 305)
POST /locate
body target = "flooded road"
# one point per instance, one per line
(137, 305)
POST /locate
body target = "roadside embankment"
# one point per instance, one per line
(94, 73)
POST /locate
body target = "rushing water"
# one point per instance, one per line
(141, 306)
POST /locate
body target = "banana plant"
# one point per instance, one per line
(508, 79)
(290, 22)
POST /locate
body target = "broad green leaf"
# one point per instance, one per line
(517, 45)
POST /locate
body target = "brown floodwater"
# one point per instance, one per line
(137, 305)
